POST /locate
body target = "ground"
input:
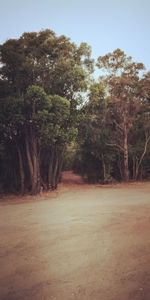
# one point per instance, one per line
(80, 243)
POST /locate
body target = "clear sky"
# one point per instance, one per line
(103, 24)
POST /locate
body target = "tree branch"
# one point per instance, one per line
(119, 126)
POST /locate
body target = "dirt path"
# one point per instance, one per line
(69, 178)
(82, 243)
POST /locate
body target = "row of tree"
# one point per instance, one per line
(48, 101)
(41, 77)
(114, 134)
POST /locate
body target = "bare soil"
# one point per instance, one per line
(80, 243)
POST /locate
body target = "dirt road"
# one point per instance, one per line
(81, 243)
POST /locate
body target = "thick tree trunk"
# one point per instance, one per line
(104, 168)
(55, 171)
(60, 165)
(55, 166)
(50, 169)
(36, 168)
(21, 170)
(33, 162)
(119, 163)
(30, 163)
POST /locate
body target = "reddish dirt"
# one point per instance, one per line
(80, 243)
(69, 178)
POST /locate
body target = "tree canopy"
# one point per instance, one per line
(44, 80)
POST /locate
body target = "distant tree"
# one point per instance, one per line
(123, 84)
(114, 128)
(93, 134)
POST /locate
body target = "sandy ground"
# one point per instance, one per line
(82, 242)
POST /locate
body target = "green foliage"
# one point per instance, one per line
(51, 111)
(41, 76)
(114, 124)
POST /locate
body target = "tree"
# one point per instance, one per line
(11, 125)
(44, 75)
(93, 133)
(55, 134)
(123, 82)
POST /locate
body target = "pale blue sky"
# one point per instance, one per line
(105, 25)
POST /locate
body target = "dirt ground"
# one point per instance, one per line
(79, 243)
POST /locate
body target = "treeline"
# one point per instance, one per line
(114, 132)
(51, 107)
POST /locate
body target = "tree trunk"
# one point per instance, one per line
(139, 162)
(36, 168)
(33, 162)
(30, 163)
(125, 156)
(55, 171)
(50, 169)
(104, 168)
(60, 164)
(21, 170)
(133, 167)
(120, 166)
(54, 180)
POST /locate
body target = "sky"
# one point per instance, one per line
(104, 24)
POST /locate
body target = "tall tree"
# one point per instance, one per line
(45, 74)
(123, 78)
